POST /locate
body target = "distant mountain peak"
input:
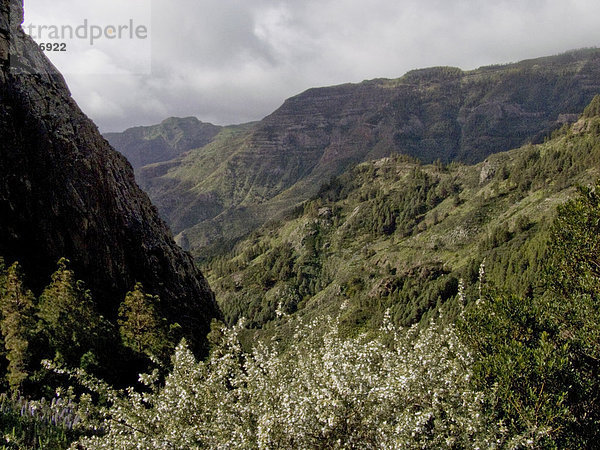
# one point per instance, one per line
(178, 120)
(163, 142)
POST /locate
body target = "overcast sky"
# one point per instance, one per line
(234, 61)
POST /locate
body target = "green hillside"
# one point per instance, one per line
(508, 359)
(395, 233)
(213, 195)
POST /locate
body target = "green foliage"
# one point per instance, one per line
(593, 109)
(140, 325)
(64, 326)
(573, 301)
(517, 354)
(516, 264)
(401, 211)
(17, 325)
(540, 352)
(68, 318)
(575, 245)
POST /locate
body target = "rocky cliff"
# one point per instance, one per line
(65, 192)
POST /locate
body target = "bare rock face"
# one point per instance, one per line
(65, 192)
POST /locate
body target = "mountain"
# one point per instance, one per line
(168, 140)
(247, 175)
(394, 233)
(64, 192)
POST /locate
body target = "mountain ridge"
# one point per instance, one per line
(170, 139)
(437, 113)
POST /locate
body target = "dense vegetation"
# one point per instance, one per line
(405, 305)
(515, 372)
(540, 353)
(62, 326)
(404, 389)
(395, 234)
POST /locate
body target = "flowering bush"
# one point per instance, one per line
(405, 388)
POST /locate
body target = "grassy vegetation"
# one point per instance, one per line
(397, 234)
(31, 425)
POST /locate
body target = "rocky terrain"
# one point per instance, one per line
(64, 192)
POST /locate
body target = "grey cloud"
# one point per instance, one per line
(235, 61)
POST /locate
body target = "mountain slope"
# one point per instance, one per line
(434, 113)
(397, 234)
(168, 140)
(64, 192)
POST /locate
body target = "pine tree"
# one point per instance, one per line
(140, 325)
(17, 325)
(67, 315)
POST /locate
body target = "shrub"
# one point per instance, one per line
(406, 388)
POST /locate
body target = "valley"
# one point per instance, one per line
(249, 174)
(395, 263)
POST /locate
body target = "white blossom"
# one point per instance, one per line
(324, 391)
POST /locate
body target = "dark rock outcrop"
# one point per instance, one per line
(65, 192)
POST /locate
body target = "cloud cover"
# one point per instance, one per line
(233, 61)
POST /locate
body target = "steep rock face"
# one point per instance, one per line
(65, 192)
(163, 142)
(442, 112)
